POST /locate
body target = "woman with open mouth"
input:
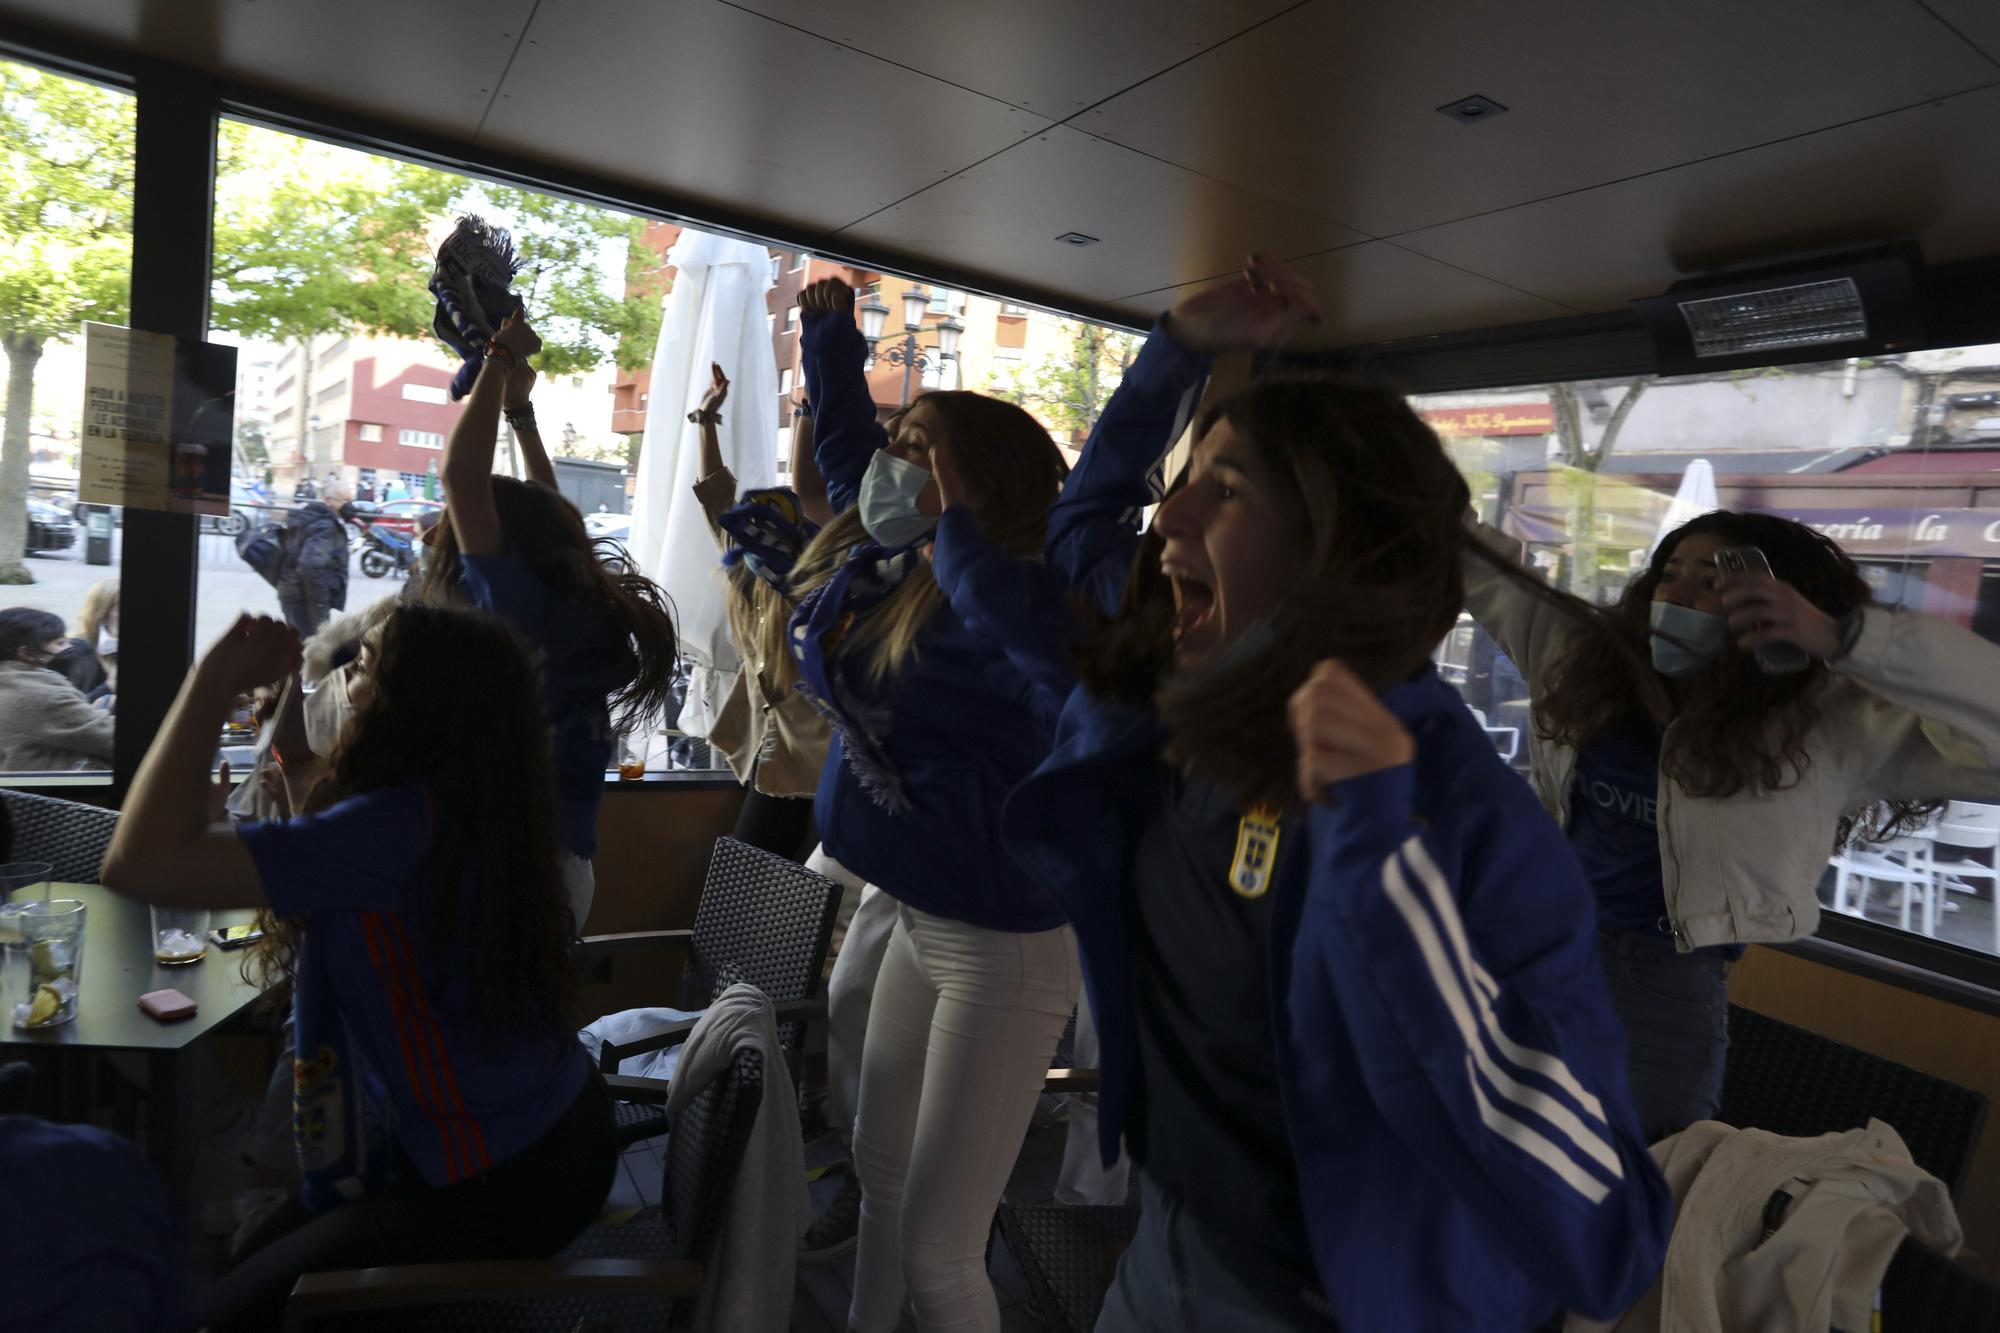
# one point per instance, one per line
(1354, 1028)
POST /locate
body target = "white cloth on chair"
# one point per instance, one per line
(753, 1265)
(1854, 1196)
(630, 1025)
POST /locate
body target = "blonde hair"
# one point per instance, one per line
(100, 604)
(1012, 469)
(758, 620)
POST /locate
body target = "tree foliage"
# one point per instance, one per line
(1069, 390)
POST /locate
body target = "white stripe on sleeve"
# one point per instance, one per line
(1540, 1062)
(1533, 1144)
(1527, 1098)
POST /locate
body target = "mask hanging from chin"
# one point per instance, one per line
(888, 503)
(326, 711)
(1696, 638)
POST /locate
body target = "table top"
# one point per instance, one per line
(118, 968)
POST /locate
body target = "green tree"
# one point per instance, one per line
(1072, 387)
(65, 248)
(1586, 461)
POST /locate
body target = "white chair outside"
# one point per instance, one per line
(1506, 740)
(1904, 860)
(1967, 827)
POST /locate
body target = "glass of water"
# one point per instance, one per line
(52, 940)
(180, 935)
(18, 882)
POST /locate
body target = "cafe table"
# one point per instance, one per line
(118, 967)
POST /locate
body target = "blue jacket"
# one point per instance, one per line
(964, 726)
(1450, 1065)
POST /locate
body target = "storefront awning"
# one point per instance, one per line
(1865, 534)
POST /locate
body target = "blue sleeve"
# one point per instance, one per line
(1464, 955)
(1017, 605)
(845, 432)
(504, 585)
(365, 853)
(1096, 519)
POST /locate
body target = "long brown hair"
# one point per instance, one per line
(1736, 727)
(1376, 509)
(1010, 464)
(546, 533)
(456, 707)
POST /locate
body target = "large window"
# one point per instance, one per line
(1896, 458)
(66, 163)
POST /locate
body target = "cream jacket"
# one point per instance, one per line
(1744, 1261)
(773, 733)
(1913, 713)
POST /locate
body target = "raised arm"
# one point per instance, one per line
(520, 414)
(845, 432)
(809, 485)
(1097, 517)
(714, 483)
(164, 849)
(1460, 956)
(468, 454)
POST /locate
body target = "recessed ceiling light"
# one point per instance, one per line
(1471, 110)
(1076, 238)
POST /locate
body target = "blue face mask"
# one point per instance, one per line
(888, 504)
(1697, 638)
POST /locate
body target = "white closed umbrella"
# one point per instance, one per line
(1695, 497)
(715, 313)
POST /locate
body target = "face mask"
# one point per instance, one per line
(327, 711)
(1702, 634)
(889, 491)
(107, 643)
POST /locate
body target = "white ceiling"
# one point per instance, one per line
(1642, 142)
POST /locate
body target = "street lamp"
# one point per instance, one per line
(909, 353)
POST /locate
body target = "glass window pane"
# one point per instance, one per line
(1896, 459)
(66, 151)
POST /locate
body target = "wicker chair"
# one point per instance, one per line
(1794, 1082)
(1068, 1254)
(762, 919)
(69, 835)
(1928, 1293)
(626, 1272)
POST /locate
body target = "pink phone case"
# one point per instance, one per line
(167, 1005)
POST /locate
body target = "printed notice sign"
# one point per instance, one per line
(157, 421)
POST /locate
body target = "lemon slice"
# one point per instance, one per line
(43, 1007)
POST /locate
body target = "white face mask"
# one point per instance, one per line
(1697, 638)
(888, 503)
(107, 643)
(327, 711)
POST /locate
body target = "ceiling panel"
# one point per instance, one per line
(1378, 291)
(1978, 20)
(1157, 225)
(1332, 105)
(431, 65)
(713, 102)
(1926, 173)
(1051, 56)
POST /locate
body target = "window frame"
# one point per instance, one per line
(177, 112)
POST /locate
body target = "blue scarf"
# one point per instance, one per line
(475, 266)
(818, 627)
(767, 529)
(340, 1126)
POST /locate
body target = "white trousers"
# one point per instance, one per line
(963, 1026)
(849, 996)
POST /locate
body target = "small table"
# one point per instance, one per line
(118, 968)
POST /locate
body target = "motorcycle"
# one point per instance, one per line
(384, 551)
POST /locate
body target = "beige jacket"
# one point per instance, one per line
(1852, 1198)
(46, 725)
(772, 733)
(1912, 714)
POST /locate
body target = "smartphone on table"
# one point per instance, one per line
(1775, 659)
(234, 937)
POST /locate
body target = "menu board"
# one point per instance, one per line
(158, 419)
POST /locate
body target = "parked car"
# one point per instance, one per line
(398, 516)
(50, 528)
(618, 527)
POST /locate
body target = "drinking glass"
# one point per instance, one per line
(52, 939)
(180, 935)
(17, 879)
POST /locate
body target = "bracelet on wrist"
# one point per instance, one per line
(701, 418)
(501, 354)
(520, 418)
(1851, 626)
